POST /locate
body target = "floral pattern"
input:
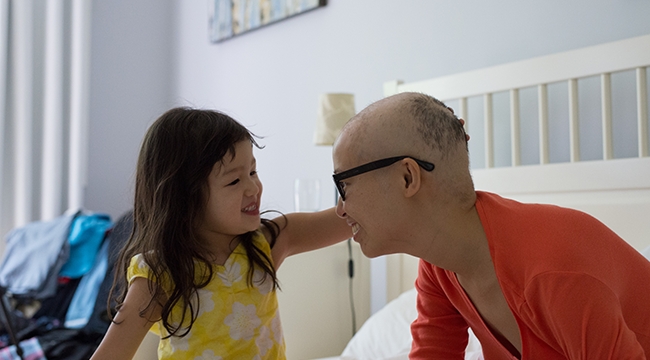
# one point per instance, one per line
(276, 326)
(232, 273)
(242, 321)
(262, 281)
(208, 355)
(180, 343)
(264, 341)
(234, 320)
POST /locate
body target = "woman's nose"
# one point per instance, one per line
(339, 209)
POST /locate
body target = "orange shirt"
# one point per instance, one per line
(576, 289)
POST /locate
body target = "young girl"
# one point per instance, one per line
(201, 263)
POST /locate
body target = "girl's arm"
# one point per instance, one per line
(129, 328)
(302, 232)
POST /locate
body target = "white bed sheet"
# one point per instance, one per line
(386, 335)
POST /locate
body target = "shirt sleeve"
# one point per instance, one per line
(137, 268)
(580, 316)
(439, 332)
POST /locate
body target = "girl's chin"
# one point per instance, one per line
(255, 223)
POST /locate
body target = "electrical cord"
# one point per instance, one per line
(351, 276)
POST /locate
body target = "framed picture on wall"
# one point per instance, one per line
(229, 18)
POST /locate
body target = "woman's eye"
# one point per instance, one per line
(233, 182)
(253, 173)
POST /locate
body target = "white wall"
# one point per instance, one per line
(148, 55)
(131, 84)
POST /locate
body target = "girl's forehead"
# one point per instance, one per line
(243, 151)
(242, 157)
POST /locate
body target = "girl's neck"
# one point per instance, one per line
(219, 250)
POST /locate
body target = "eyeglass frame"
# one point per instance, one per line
(374, 165)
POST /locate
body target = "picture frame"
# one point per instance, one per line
(229, 18)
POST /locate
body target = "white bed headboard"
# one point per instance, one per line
(613, 186)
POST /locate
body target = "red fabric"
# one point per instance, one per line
(576, 289)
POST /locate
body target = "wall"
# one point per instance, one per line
(131, 84)
(150, 54)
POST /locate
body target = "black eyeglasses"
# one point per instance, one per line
(374, 165)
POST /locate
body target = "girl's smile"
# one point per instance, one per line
(252, 209)
(234, 195)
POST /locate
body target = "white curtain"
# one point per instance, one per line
(44, 82)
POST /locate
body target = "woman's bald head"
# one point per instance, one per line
(407, 123)
(411, 124)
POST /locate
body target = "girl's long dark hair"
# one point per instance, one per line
(177, 155)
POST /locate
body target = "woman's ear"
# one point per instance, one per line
(412, 177)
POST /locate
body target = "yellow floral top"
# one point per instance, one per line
(235, 320)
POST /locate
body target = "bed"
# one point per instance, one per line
(569, 129)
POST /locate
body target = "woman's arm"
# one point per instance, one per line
(129, 328)
(302, 231)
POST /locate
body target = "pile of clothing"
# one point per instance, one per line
(55, 278)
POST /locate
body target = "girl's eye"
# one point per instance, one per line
(253, 173)
(234, 182)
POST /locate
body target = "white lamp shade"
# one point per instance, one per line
(334, 110)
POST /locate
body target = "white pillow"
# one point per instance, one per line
(386, 335)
